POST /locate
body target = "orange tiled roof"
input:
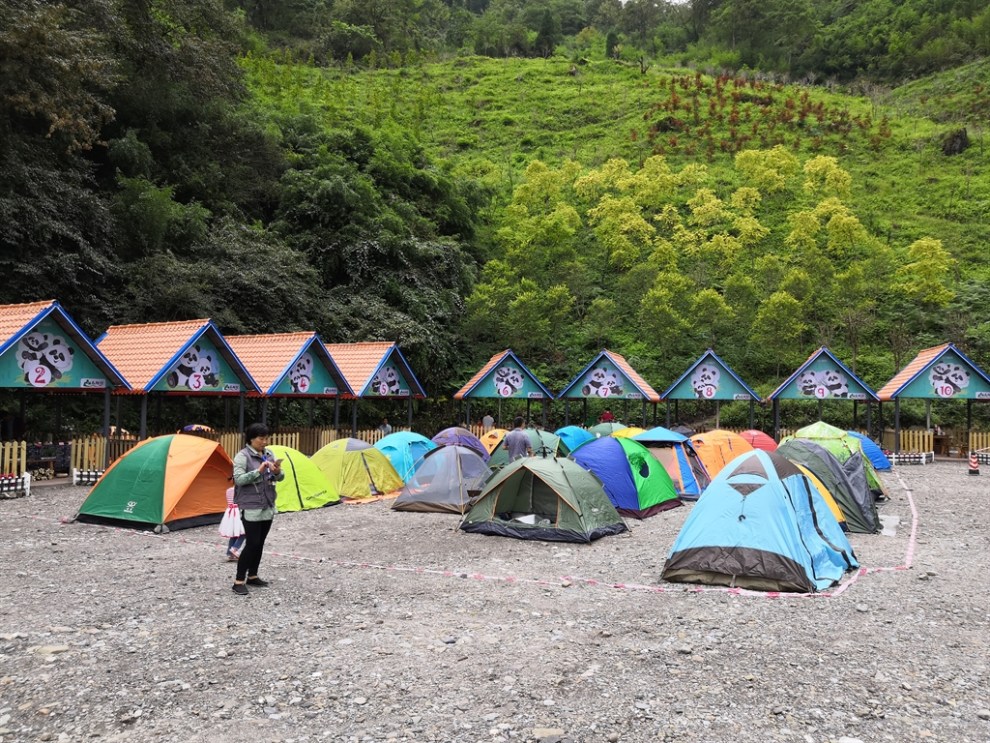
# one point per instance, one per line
(648, 392)
(358, 361)
(141, 351)
(267, 356)
(459, 395)
(13, 317)
(905, 375)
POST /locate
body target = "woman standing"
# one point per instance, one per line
(255, 473)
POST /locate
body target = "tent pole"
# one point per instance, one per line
(106, 426)
(897, 425)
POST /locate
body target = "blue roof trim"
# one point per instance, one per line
(214, 334)
(115, 378)
(926, 367)
(812, 359)
(726, 367)
(607, 354)
(511, 354)
(407, 370)
(324, 354)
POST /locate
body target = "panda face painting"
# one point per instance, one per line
(948, 378)
(507, 380)
(705, 380)
(43, 358)
(387, 381)
(602, 382)
(196, 368)
(301, 374)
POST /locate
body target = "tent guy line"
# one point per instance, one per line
(562, 581)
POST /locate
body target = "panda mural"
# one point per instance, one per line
(197, 368)
(602, 382)
(705, 380)
(387, 381)
(822, 384)
(508, 380)
(301, 374)
(948, 378)
(44, 358)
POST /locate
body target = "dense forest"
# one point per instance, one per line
(554, 176)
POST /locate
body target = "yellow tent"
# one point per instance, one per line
(827, 496)
(357, 469)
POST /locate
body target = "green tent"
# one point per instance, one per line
(166, 482)
(304, 486)
(543, 443)
(544, 498)
(843, 446)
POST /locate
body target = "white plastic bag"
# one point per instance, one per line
(231, 525)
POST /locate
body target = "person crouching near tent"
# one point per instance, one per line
(256, 470)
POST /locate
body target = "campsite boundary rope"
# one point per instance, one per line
(565, 580)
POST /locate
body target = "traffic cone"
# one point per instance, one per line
(974, 464)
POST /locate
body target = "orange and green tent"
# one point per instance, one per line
(167, 482)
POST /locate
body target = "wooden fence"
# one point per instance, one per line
(92, 452)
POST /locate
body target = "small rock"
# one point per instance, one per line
(862, 607)
(984, 714)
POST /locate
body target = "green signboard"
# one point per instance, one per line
(948, 378)
(200, 368)
(824, 379)
(48, 358)
(307, 376)
(508, 380)
(708, 380)
(605, 380)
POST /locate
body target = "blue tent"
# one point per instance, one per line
(677, 455)
(404, 449)
(762, 525)
(872, 451)
(574, 436)
(635, 482)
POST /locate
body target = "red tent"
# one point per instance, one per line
(759, 440)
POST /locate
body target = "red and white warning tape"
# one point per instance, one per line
(567, 579)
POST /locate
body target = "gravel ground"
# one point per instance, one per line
(386, 626)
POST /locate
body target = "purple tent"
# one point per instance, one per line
(455, 435)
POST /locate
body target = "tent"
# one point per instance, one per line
(846, 482)
(873, 452)
(462, 436)
(544, 444)
(845, 448)
(491, 439)
(677, 455)
(717, 448)
(606, 429)
(446, 480)
(546, 498)
(628, 432)
(404, 449)
(167, 482)
(761, 525)
(304, 486)
(759, 440)
(574, 436)
(357, 469)
(833, 507)
(636, 483)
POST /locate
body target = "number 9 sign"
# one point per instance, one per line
(821, 392)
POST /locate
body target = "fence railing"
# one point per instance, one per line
(13, 458)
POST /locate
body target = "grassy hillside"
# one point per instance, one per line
(490, 118)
